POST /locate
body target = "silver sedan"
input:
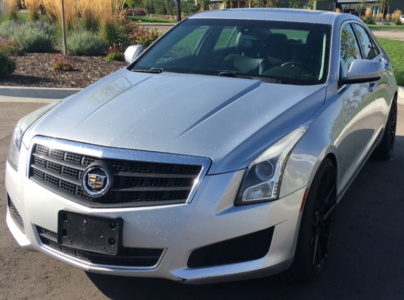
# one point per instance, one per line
(219, 153)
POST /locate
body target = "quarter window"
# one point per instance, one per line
(370, 51)
(349, 50)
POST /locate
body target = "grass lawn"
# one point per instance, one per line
(395, 49)
(386, 27)
(146, 19)
(21, 16)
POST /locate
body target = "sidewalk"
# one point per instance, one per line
(392, 35)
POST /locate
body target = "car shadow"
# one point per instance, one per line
(365, 260)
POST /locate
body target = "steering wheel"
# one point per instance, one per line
(293, 64)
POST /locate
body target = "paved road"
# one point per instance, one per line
(161, 27)
(366, 261)
(396, 35)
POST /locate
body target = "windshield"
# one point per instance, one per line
(271, 51)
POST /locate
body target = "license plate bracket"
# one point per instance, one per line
(90, 233)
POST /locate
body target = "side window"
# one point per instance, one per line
(349, 49)
(369, 49)
(227, 38)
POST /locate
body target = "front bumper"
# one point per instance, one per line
(177, 229)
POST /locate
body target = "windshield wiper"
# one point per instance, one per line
(156, 70)
(233, 74)
(151, 70)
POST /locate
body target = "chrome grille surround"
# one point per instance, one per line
(141, 178)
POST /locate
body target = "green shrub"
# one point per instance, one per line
(9, 47)
(115, 56)
(35, 36)
(7, 64)
(33, 14)
(368, 20)
(61, 63)
(143, 36)
(114, 33)
(115, 52)
(84, 43)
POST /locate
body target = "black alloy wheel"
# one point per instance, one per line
(316, 227)
(385, 149)
(393, 126)
(323, 219)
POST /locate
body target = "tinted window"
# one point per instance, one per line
(349, 49)
(227, 38)
(369, 49)
(184, 47)
(271, 51)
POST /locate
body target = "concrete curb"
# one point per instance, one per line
(36, 92)
(5, 99)
(400, 95)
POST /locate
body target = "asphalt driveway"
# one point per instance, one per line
(366, 262)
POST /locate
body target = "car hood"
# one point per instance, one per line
(229, 120)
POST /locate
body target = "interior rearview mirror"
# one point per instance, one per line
(132, 53)
(363, 70)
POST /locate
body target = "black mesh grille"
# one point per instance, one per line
(130, 257)
(244, 248)
(15, 214)
(135, 182)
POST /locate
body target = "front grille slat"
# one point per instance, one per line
(136, 183)
(61, 162)
(153, 175)
(151, 189)
(56, 174)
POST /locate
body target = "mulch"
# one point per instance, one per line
(34, 70)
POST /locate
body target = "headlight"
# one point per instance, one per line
(19, 130)
(264, 175)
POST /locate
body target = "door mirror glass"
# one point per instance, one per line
(132, 53)
(363, 70)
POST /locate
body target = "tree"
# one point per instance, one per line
(204, 4)
(384, 4)
(360, 5)
(272, 3)
(296, 3)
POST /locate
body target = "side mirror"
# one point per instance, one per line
(132, 53)
(363, 70)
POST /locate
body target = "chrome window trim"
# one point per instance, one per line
(378, 57)
(103, 152)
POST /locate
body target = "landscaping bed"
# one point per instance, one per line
(34, 70)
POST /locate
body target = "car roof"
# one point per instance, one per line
(275, 14)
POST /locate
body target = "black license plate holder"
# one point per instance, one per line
(90, 233)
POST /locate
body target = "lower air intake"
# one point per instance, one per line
(129, 257)
(15, 214)
(240, 249)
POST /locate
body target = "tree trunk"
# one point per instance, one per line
(178, 10)
(64, 29)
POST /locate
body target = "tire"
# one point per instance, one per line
(385, 150)
(316, 226)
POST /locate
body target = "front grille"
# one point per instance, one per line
(129, 257)
(136, 183)
(15, 214)
(240, 249)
